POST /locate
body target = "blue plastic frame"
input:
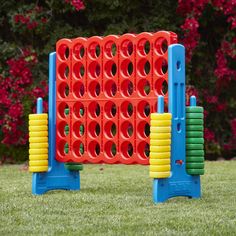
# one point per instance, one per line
(57, 176)
(179, 183)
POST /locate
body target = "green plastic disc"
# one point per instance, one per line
(195, 165)
(190, 159)
(194, 121)
(194, 115)
(66, 150)
(195, 171)
(194, 109)
(73, 166)
(194, 128)
(195, 153)
(81, 111)
(195, 140)
(194, 134)
(67, 111)
(194, 146)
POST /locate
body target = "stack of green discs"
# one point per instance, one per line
(73, 166)
(194, 140)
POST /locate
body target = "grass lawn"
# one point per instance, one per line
(117, 200)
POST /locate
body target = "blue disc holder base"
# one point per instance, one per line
(57, 176)
(179, 183)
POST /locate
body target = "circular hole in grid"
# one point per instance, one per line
(94, 109)
(94, 50)
(126, 48)
(143, 150)
(62, 109)
(79, 70)
(78, 148)
(127, 149)
(110, 129)
(94, 149)
(126, 109)
(61, 129)
(63, 90)
(94, 129)
(110, 49)
(126, 68)
(110, 109)
(143, 129)
(127, 88)
(164, 87)
(60, 147)
(143, 47)
(94, 69)
(110, 68)
(94, 89)
(161, 46)
(78, 109)
(78, 51)
(144, 87)
(78, 89)
(78, 129)
(110, 149)
(110, 88)
(143, 109)
(127, 129)
(63, 71)
(161, 87)
(63, 52)
(143, 67)
(161, 66)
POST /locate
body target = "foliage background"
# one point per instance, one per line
(30, 29)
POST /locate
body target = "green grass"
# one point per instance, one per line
(117, 200)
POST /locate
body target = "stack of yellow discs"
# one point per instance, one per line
(160, 145)
(38, 139)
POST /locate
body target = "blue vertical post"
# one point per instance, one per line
(57, 176)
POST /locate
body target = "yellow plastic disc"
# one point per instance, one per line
(38, 151)
(159, 175)
(161, 116)
(160, 142)
(160, 129)
(161, 155)
(38, 134)
(159, 148)
(159, 161)
(35, 157)
(161, 168)
(38, 168)
(38, 139)
(160, 123)
(42, 116)
(38, 145)
(160, 136)
(38, 122)
(38, 128)
(38, 163)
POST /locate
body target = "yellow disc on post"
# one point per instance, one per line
(160, 123)
(38, 168)
(42, 116)
(160, 129)
(38, 139)
(159, 168)
(38, 128)
(159, 161)
(161, 116)
(161, 155)
(158, 136)
(38, 151)
(160, 142)
(35, 157)
(159, 175)
(38, 134)
(38, 145)
(38, 122)
(38, 163)
(159, 148)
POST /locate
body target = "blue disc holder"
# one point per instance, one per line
(179, 183)
(57, 176)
